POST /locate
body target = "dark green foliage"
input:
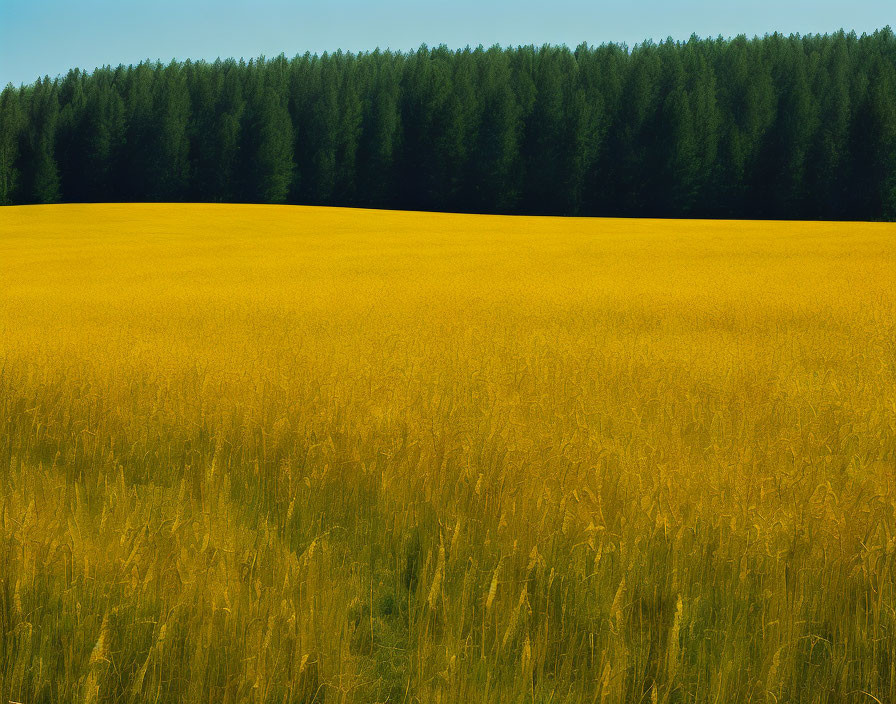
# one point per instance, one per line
(380, 132)
(780, 127)
(170, 164)
(39, 171)
(495, 170)
(267, 137)
(10, 126)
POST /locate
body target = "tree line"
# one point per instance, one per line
(773, 127)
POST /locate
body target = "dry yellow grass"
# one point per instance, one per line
(274, 454)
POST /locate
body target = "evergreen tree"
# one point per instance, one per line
(205, 85)
(748, 98)
(546, 147)
(380, 133)
(320, 134)
(423, 172)
(171, 165)
(706, 123)
(40, 171)
(104, 130)
(267, 144)
(771, 127)
(676, 145)
(348, 133)
(71, 145)
(636, 145)
(874, 139)
(496, 173)
(883, 99)
(226, 131)
(584, 130)
(781, 171)
(824, 180)
(603, 75)
(680, 165)
(136, 164)
(10, 127)
(461, 124)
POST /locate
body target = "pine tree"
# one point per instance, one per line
(426, 119)
(226, 133)
(544, 148)
(104, 129)
(705, 122)
(267, 142)
(680, 165)
(637, 149)
(137, 159)
(461, 125)
(319, 139)
(675, 156)
(603, 74)
(497, 174)
(827, 157)
(204, 84)
(71, 145)
(586, 127)
(781, 169)
(40, 172)
(880, 168)
(884, 101)
(749, 104)
(171, 165)
(10, 127)
(348, 133)
(275, 159)
(782, 127)
(380, 132)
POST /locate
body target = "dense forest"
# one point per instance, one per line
(773, 127)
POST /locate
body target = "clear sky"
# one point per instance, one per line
(47, 37)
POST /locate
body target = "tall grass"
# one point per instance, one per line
(272, 454)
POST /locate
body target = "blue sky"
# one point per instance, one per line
(39, 37)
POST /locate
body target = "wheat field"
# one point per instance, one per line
(293, 455)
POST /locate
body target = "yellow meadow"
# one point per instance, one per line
(288, 454)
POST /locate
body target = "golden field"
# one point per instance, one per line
(285, 454)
